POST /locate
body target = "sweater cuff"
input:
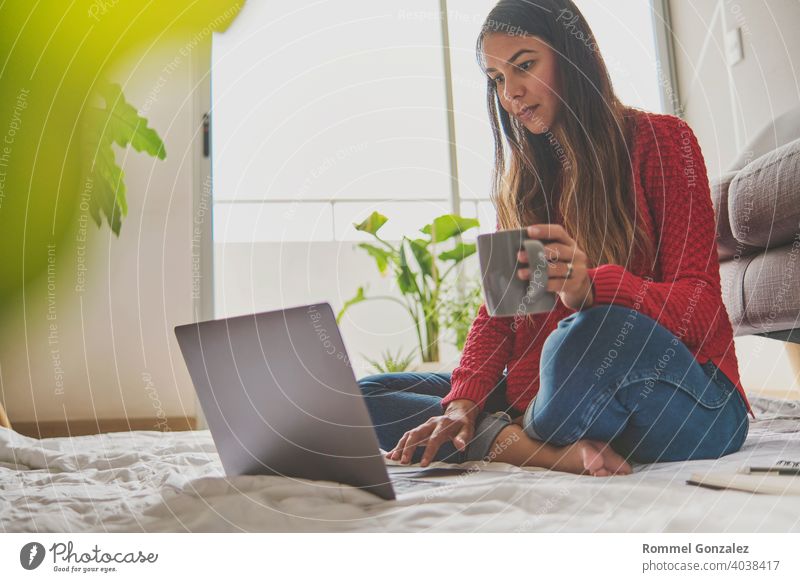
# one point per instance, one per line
(472, 388)
(611, 286)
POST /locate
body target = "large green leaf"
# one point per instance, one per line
(459, 253)
(108, 189)
(424, 258)
(125, 125)
(115, 123)
(114, 176)
(381, 256)
(105, 180)
(405, 278)
(372, 223)
(358, 298)
(448, 226)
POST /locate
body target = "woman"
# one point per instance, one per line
(636, 361)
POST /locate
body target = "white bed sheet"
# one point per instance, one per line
(156, 482)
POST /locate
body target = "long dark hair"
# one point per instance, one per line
(578, 173)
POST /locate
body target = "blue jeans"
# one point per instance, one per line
(607, 373)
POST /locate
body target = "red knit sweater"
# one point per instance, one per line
(682, 293)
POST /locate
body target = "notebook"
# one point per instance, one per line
(780, 478)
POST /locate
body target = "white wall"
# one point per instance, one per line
(727, 105)
(111, 352)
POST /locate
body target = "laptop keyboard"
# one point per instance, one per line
(414, 478)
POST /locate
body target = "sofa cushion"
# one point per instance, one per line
(727, 246)
(761, 292)
(764, 198)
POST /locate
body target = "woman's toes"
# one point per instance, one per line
(605, 458)
(617, 464)
(621, 466)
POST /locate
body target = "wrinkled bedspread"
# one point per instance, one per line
(156, 482)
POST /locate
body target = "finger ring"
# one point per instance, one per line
(569, 271)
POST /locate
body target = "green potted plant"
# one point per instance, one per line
(391, 361)
(422, 270)
(459, 308)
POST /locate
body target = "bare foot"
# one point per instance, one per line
(591, 457)
(583, 457)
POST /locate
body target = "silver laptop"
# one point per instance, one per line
(280, 398)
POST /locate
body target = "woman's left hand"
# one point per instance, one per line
(567, 269)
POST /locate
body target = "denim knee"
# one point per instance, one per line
(581, 325)
(371, 384)
(586, 338)
(570, 388)
(387, 383)
(595, 317)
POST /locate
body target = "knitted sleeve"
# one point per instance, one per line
(486, 352)
(687, 298)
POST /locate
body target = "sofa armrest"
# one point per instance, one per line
(727, 245)
(764, 199)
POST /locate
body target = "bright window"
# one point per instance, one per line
(330, 102)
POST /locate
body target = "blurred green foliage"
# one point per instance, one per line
(52, 57)
(117, 122)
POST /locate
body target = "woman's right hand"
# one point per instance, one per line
(457, 424)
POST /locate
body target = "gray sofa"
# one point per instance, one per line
(757, 204)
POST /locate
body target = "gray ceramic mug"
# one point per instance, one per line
(504, 292)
